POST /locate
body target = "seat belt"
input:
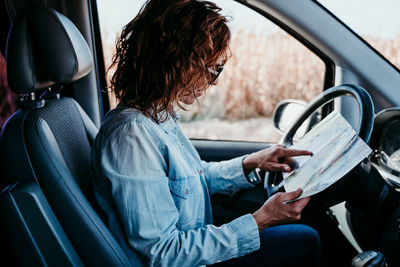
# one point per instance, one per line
(12, 13)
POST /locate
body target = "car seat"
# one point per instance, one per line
(45, 149)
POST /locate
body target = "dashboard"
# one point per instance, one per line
(385, 142)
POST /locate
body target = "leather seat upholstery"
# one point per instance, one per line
(48, 141)
(45, 48)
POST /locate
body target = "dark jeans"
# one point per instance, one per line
(298, 245)
(283, 245)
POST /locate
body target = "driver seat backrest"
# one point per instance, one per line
(48, 141)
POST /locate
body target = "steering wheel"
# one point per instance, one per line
(364, 128)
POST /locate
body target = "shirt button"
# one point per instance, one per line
(187, 192)
(201, 171)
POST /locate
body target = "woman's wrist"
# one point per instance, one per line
(248, 164)
(258, 220)
(261, 220)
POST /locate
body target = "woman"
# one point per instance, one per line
(148, 178)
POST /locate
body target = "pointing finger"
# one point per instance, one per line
(286, 152)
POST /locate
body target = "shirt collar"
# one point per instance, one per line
(170, 125)
(175, 115)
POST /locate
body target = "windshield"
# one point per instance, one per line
(377, 22)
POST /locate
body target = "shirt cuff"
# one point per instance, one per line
(241, 180)
(247, 234)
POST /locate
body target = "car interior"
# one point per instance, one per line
(61, 136)
(55, 66)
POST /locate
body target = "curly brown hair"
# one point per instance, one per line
(165, 51)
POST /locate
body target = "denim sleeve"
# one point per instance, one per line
(136, 170)
(225, 176)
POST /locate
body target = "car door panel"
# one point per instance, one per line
(213, 150)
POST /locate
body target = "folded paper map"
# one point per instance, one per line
(336, 150)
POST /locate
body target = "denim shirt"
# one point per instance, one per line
(154, 191)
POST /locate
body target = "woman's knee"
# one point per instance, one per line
(296, 241)
(306, 237)
(297, 233)
(307, 244)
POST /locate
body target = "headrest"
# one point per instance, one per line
(45, 48)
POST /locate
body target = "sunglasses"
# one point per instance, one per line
(215, 73)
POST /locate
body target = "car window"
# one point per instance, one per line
(377, 22)
(267, 66)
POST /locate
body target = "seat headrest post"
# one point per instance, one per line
(30, 101)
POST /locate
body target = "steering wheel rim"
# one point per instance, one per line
(364, 129)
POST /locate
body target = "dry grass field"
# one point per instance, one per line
(263, 70)
(388, 48)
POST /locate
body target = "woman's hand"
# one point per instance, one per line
(276, 211)
(276, 158)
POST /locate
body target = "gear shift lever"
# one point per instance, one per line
(369, 259)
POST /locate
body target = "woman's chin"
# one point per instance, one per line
(188, 100)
